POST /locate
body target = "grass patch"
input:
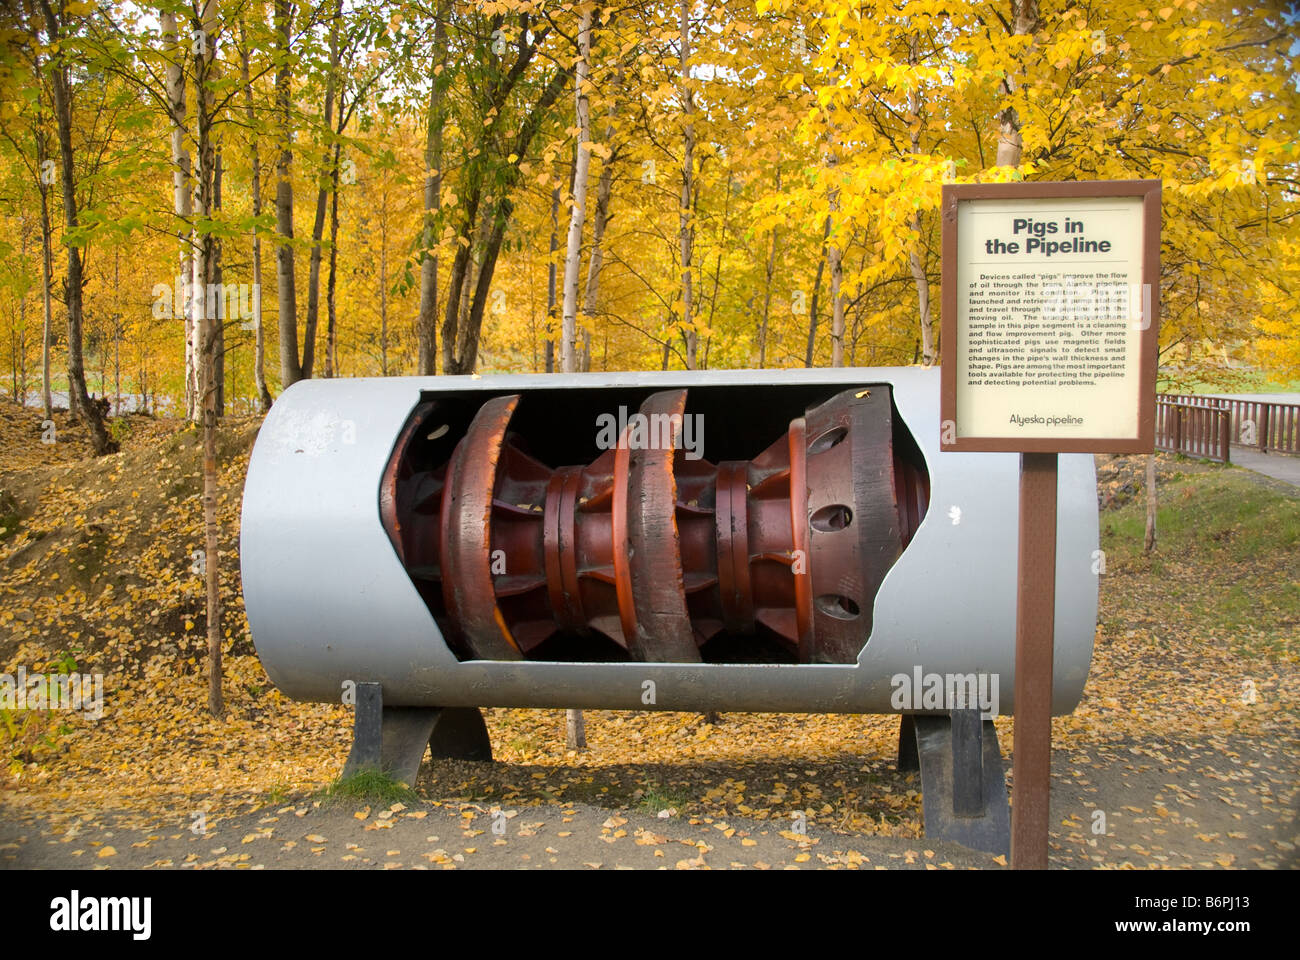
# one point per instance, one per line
(10, 518)
(278, 795)
(368, 786)
(660, 797)
(1217, 516)
(119, 428)
(1226, 567)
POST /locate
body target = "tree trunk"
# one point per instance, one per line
(919, 275)
(717, 266)
(331, 333)
(575, 730)
(117, 336)
(47, 276)
(604, 188)
(259, 355)
(578, 213)
(922, 281)
(451, 321)
(20, 344)
(206, 257)
(78, 399)
(467, 338)
(835, 259)
(103, 364)
(473, 271)
(1010, 142)
(117, 364)
(686, 226)
(383, 292)
(181, 198)
(817, 292)
(216, 274)
(551, 271)
(460, 337)
(767, 302)
(767, 290)
(591, 295)
(318, 224)
(290, 369)
(584, 351)
(427, 319)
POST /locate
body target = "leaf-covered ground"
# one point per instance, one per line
(1182, 753)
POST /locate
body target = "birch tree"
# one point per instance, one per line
(255, 160)
(578, 211)
(686, 221)
(78, 397)
(322, 197)
(291, 370)
(426, 325)
(206, 257)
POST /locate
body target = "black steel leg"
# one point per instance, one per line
(963, 786)
(394, 739)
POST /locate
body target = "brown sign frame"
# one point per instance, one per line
(953, 194)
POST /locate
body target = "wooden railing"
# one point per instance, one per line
(1195, 426)
(1270, 427)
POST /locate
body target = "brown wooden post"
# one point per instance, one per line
(1261, 424)
(1035, 613)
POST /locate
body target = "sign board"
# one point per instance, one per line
(1050, 306)
(1050, 316)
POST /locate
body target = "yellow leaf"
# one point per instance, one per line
(106, 852)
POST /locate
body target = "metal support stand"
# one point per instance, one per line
(963, 786)
(394, 739)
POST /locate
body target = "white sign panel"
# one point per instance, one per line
(1051, 313)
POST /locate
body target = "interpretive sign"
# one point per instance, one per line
(1050, 303)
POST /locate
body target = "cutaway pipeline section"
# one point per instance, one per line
(650, 548)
